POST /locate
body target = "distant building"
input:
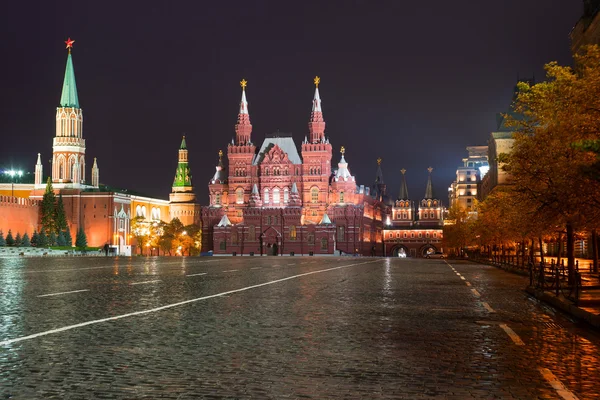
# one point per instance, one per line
(587, 29)
(466, 188)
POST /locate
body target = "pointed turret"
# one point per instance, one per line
(343, 173)
(69, 96)
(429, 188)
(316, 126)
(243, 128)
(379, 188)
(325, 220)
(39, 168)
(403, 195)
(220, 175)
(95, 174)
(255, 200)
(183, 174)
(294, 196)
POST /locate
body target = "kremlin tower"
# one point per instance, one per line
(182, 200)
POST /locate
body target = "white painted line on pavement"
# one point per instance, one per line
(475, 292)
(468, 283)
(487, 307)
(203, 273)
(463, 278)
(231, 270)
(276, 265)
(291, 264)
(80, 325)
(256, 268)
(58, 294)
(557, 385)
(142, 283)
(515, 338)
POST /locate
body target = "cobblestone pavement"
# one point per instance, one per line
(283, 327)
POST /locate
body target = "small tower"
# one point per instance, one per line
(95, 174)
(403, 211)
(343, 184)
(182, 200)
(68, 159)
(243, 128)
(430, 209)
(316, 126)
(39, 174)
(217, 186)
(379, 187)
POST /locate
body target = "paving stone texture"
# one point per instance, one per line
(374, 329)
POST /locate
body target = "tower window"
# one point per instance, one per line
(293, 232)
(341, 197)
(218, 199)
(286, 195)
(239, 196)
(314, 195)
(266, 196)
(276, 197)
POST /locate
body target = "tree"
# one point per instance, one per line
(141, 232)
(34, 238)
(81, 239)
(25, 241)
(10, 241)
(52, 239)
(48, 209)
(2, 240)
(68, 238)
(60, 217)
(545, 165)
(42, 240)
(18, 240)
(60, 240)
(457, 231)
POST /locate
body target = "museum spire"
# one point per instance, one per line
(243, 128)
(316, 126)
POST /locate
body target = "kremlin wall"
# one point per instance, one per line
(264, 200)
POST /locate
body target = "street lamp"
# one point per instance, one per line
(13, 175)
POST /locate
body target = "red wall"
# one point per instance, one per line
(19, 215)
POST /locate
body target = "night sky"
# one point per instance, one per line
(413, 82)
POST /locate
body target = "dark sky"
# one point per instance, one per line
(413, 82)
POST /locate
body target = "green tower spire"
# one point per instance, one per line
(183, 175)
(69, 92)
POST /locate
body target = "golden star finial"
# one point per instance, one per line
(220, 154)
(429, 169)
(379, 160)
(343, 150)
(243, 83)
(317, 80)
(403, 171)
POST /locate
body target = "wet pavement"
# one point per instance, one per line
(283, 327)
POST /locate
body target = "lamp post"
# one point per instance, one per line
(14, 174)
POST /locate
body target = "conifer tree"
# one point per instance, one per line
(25, 242)
(60, 240)
(18, 239)
(2, 241)
(10, 241)
(81, 239)
(42, 240)
(52, 239)
(48, 208)
(68, 238)
(34, 238)
(60, 217)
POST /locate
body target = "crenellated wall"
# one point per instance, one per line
(19, 215)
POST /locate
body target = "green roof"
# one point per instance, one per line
(183, 145)
(69, 92)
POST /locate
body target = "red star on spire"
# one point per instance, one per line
(69, 43)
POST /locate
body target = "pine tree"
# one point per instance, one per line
(10, 241)
(48, 209)
(25, 241)
(34, 238)
(2, 241)
(60, 240)
(42, 240)
(52, 239)
(60, 217)
(18, 240)
(68, 238)
(81, 240)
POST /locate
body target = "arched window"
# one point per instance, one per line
(266, 195)
(405, 235)
(412, 235)
(431, 215)
(138, 211)
(398, 235)
(427, 235)
(239, 196)
(286, 195)
(341, 197)
(276, 198)
(314, 195)
(144, 211)
(218, 199)
(420, 235)
(324, 244)
(293, 232)
(341, 233)
(391, 235)
(434, 234)
(405, 215)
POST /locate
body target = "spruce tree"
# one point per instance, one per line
(18, 240)
(60, 240)
(10, 241)
(42, 240)
(60, 217)
(34, 238)
(25, 242)
(68, 238)
(81, 240)
(48, 208)
(2, 241)
(52, 239)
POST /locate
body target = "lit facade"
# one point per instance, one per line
(466, 188)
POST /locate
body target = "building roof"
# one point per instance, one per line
(224, 221)
(69, 91)
(285, 143)
(403, 195)
(429, 189)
